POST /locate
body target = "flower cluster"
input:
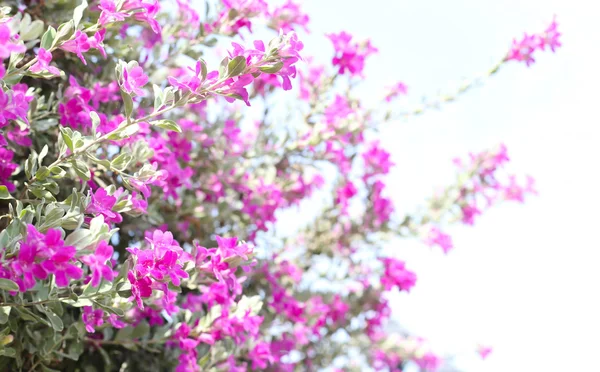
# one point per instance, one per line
(120, 163)
(522, 50)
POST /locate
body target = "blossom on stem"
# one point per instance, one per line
(350, 56)
(92, 318)
(396, 275)
(43, 63)
(97, 263)
(8, 43)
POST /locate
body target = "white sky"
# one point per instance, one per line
(524, 279)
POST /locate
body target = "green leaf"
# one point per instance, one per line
(55, 320)
(128, 102)
(63, 32)
(4, 194)
(42, 154)
(124, 132)
(67, 136)
(159, 98)
(140, 330)
(124, 334)
(82, 169)
(95, 121)
(112, 310)
(80, 239)
(8, 352)
(48, 38)
(8, 285)
(78, 13)
(4, 313)
(122, 161)
(203, 69)
(273, 69)
(167, 124)
(53, 219)
(236, 66)
(79, 303)
(34, 30)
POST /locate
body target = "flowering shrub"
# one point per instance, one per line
(141, 182)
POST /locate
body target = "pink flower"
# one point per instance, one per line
(101, 204)
(7, 44)
(396, 275)
(523, 50)
(484, 351)
(148, 12)
(62, 268)
(43, 63)
(396, 90)
(97, 263)
(377, 161)
(133, 79)
(288, 15)
(350, 57)
(260, 356)
(40, 254)
(514, 191)
(110, 13)
(140, 287)
(92, 318)
(14, 104)
(382, 206)
(550, 37)
(338, 110)
(469, 211)
(7, 167)
(78, 45)
(25, 266)
(436, 237)
(344, 194)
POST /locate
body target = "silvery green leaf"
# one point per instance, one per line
(42, 154)
(63, 32)
(128, 103)
(34, 30)
(81, 168)
(95, 121)
(236, 66)
(4, 313)
(8, 285)
(80, 239)
(78, 13)
(48, 38)
(167, 124)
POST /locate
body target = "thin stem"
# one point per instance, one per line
(124, 342)
(10, 304)
(436, 103)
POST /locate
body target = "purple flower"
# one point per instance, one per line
(60, 265)
(102, 204)
(7, 45)
(43, 63)
(92, 318)
(133, 78)
(350, 56)
(436, 237)
(40, 254)
(110, 13)
(7, 167)
(140, 287)
(78, 45)
(396, 275)
(97, 263)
